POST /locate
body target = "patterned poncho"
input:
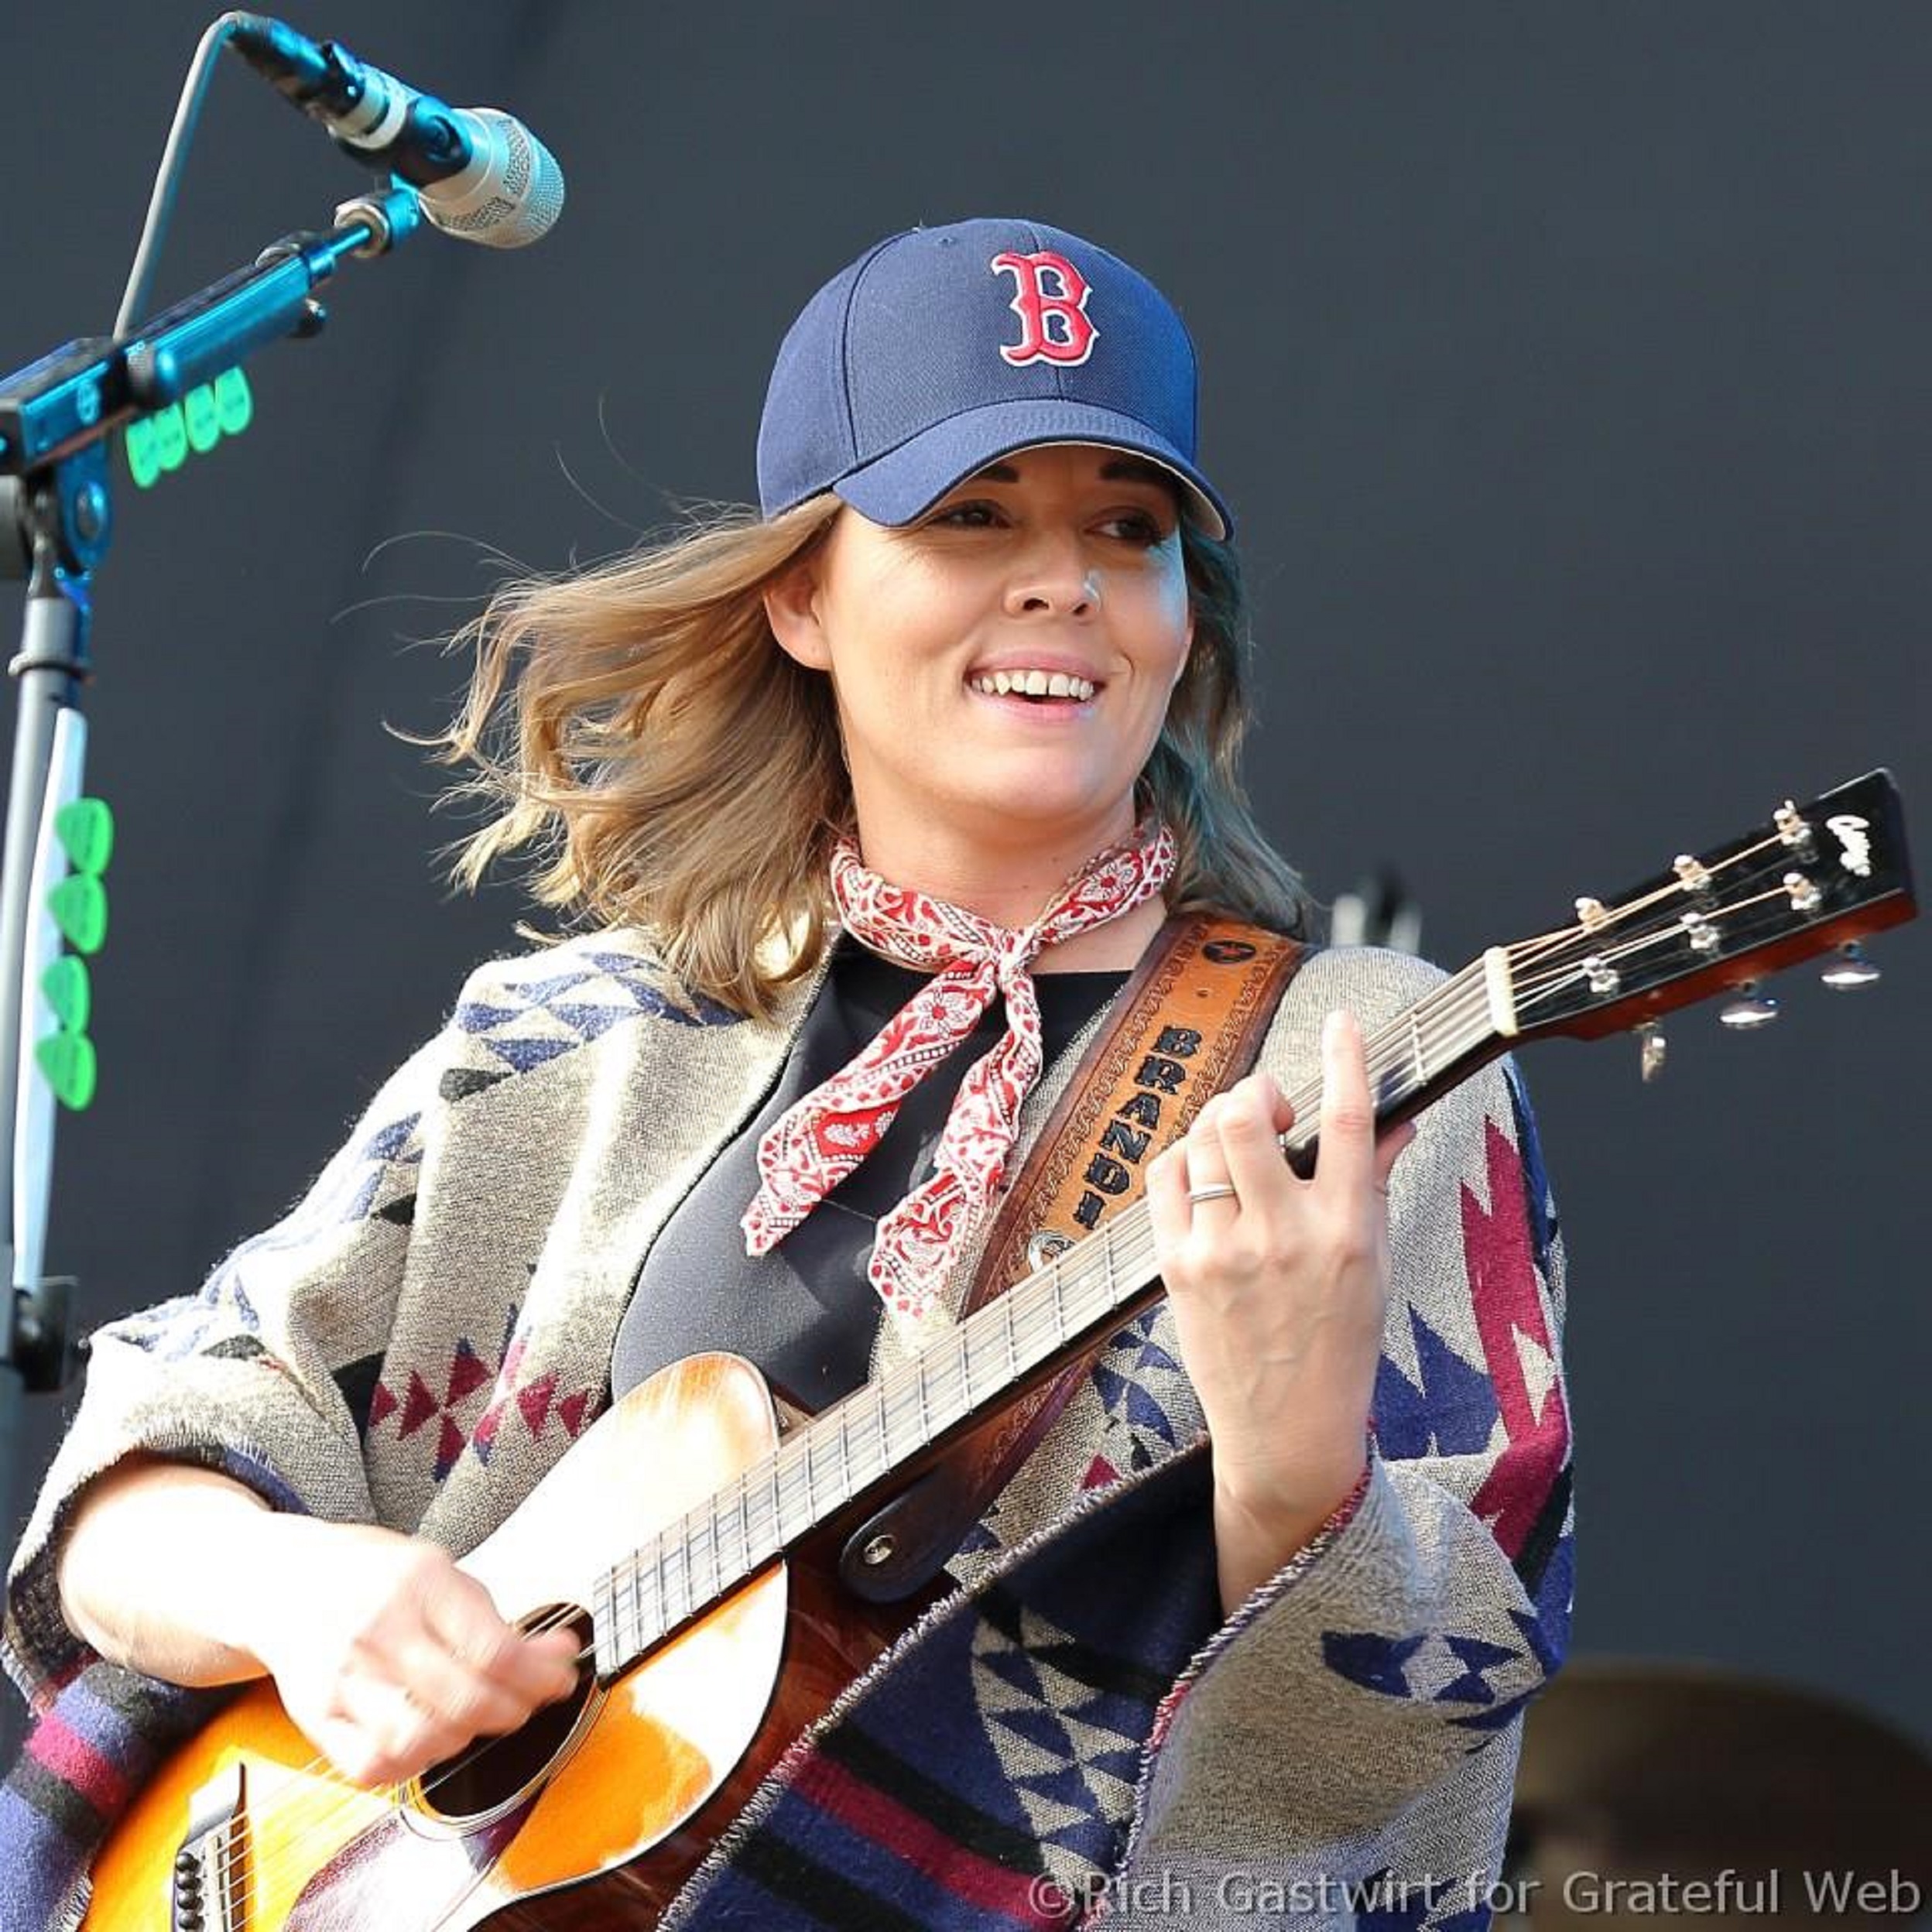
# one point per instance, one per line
(1078, 1729)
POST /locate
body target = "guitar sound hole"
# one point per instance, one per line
(490, 1773)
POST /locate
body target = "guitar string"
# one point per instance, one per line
(1459, 999)
(1557, 983)
(1583, 930)
(1533, 990)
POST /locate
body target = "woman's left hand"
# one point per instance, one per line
(1280, 1290)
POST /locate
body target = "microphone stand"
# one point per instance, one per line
(56, 523)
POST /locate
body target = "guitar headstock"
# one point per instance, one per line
(1818, 876)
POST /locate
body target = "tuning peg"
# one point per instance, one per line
(1793, 831)
(1652, 1050)
(1750, 1009)
(1851, 971)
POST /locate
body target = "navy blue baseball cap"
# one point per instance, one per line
(941, 350)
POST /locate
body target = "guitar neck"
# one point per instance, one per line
(861, 1443)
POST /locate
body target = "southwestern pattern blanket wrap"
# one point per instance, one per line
(1077, 1732)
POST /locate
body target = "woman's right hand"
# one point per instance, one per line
(388, 1656)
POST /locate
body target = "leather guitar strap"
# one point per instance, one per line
(1188, 1023)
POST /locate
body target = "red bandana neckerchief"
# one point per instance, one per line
(815, 1144)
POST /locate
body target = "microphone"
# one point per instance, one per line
(482, 175)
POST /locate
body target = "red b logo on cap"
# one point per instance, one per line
(1054, 327)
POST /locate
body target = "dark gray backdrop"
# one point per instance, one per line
(1566, 364)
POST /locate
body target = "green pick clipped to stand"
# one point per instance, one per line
(85, 829)
(234, 403)
(205, 427)
(71, 1067)
(79, 903)
(143, 465)
(69, 990)
(170, 437)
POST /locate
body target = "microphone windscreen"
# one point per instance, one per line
(512, 199)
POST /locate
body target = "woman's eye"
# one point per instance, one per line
(1137, 526)
(967, 515)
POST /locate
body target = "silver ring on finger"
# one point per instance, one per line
(1214, 1190)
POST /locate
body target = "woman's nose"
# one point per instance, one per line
(1054, 578)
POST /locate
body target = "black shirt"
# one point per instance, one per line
(805, 1314)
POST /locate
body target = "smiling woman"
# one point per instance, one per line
(868, 806)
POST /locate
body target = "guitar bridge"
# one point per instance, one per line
(210, 1892)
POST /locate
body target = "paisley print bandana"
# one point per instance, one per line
(815, 1144)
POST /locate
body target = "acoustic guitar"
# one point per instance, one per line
(695, 1553)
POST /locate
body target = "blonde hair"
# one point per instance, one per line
(636, 728)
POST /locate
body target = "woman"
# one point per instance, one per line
(979, 656)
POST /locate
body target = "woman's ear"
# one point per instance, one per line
(791, 609)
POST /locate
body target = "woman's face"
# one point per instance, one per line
(1059, 566)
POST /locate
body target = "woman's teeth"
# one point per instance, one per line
(1034, 684)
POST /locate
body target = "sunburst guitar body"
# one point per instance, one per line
(246, 1830)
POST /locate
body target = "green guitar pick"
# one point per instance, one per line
(144, 464)
(70, 991)
(68, 1061)
(233, 405)
(79, 904)
(203, 422)
(170, 437)
(85, 829)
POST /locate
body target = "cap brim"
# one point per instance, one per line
(905, 482)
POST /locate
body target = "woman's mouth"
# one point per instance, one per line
(1041, 686)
